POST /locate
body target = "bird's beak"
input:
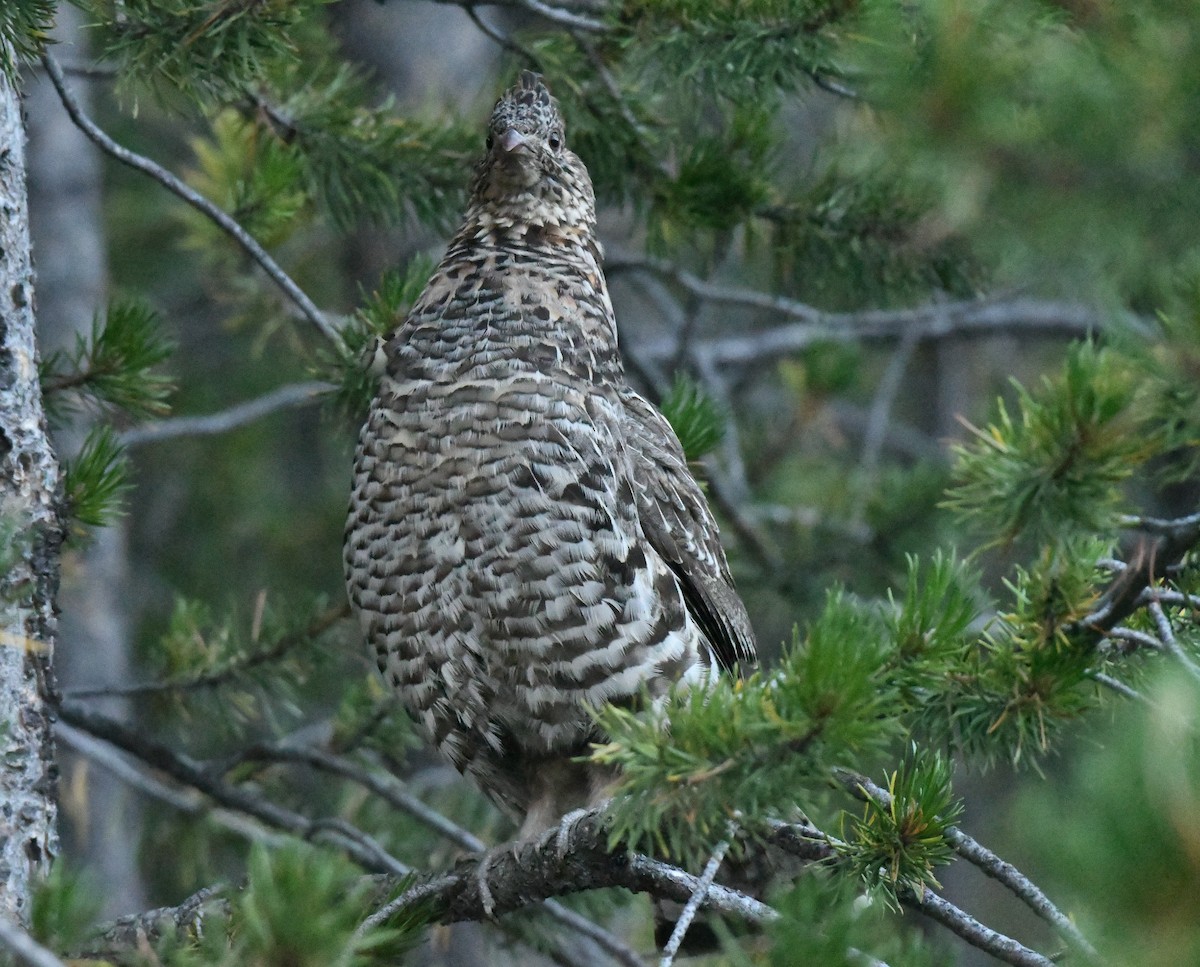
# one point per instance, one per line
(512, 140)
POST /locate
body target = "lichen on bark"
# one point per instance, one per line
(30, 535)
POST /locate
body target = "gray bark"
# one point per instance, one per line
(100, 817)
(29, 569)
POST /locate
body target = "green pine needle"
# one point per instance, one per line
(1057, 466)
(697, 419)
(302, 907)
(24, 30)
(115, 365)
(95, 481)
(355, 367)
(65, 908)
(900, 842)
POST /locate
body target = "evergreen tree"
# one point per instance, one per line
(833, 229)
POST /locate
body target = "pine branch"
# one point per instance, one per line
(534, 871)
(1149, 561)
(975, 318)
(260, 255)
(987, 861)
(1125, 691)
(561, 15)
(285, 397)
(558, 863)
(358, 845)
(225, 673)
(26, 951)
(810, 843)
(879, 419)
(181, 768)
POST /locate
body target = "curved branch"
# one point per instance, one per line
(812, 325)
(1149, 560)
(980, 856)
(27, 951)
(966, 927)
(213, 677)
(221, 218)
(557, 14)
(241, 414)
(357, 845)
(809, 843)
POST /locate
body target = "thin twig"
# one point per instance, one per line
(502, 40)
(226, 673)
(663, 879)
(980, 856)
(27, 951)
(386, 788)
(879, 419)
(134, 774)
(607, 941)
(564, 18)
(826, 83)
(183, 769)
(560, 15)
(1139, 638)
(693, 905)
(941, 320)
(1170, 643)
(1162, 525)
(223, 421)
(221, 218)
(965, 926)
(1168, 596)
(411, 896)
(1117, 686)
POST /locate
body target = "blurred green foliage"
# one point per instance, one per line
(972, 145)
(24, 29)
(1116, 834)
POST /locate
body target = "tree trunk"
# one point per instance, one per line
(30, 536)
(99, 818)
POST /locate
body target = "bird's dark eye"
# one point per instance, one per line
(555, 142)
(490, 141)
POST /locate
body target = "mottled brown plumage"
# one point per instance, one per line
(525, 539)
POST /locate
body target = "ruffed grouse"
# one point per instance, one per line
(525, 540)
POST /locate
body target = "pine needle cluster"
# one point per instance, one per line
(971, 146)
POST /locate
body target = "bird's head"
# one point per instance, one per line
(528, 176)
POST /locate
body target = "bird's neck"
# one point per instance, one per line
(509, 299)
(556, 238)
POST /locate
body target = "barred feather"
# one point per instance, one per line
(524, 538)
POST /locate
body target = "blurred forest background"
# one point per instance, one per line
(836, 234)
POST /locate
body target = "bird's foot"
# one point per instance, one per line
(481, 882)
(566, 826)
(489, 857)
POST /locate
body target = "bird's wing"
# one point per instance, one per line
(678, 524)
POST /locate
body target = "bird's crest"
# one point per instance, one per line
(527, 106)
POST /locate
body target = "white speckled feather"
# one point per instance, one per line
(524, 538)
